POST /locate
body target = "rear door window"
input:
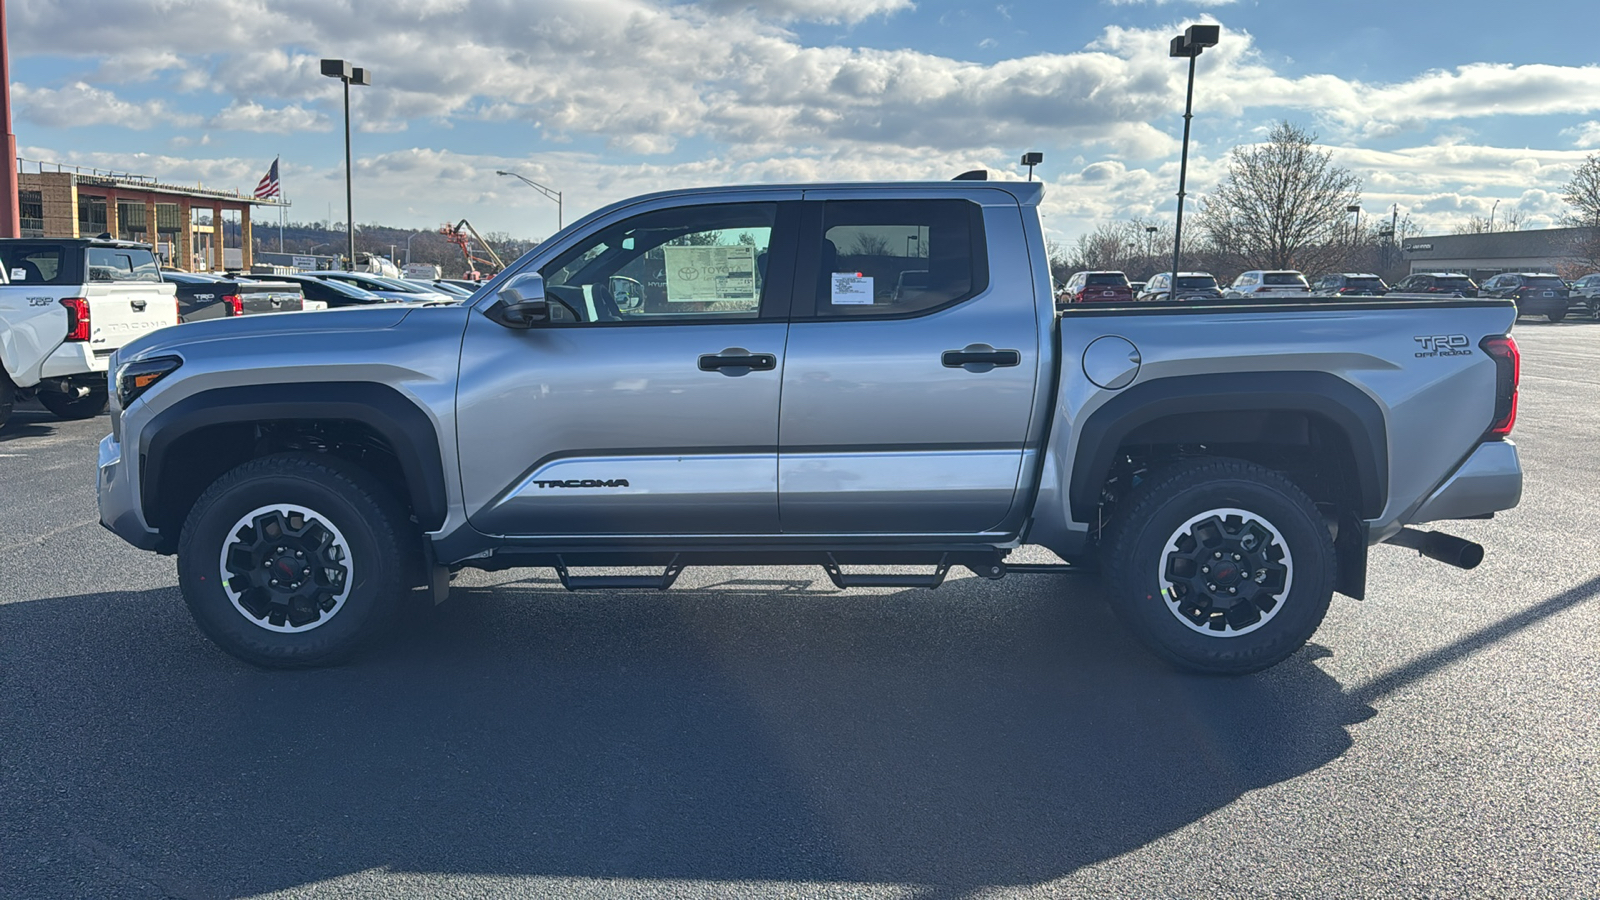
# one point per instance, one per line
(1283, 278)
(884, 258)
(38, 265)
(1112, 278)
(1546, 282)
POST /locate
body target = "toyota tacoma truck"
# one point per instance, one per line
(65, 306)
(869, 378)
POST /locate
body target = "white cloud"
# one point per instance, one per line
(833, 11)
(81, 105)
(1585, 135)
(248, 116)
(1165, 2)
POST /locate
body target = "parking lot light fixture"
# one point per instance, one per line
(552, 193)
(342, 70)
(1356, 208)
(1188, 45)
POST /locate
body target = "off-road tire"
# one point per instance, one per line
(85, 407)
(8, 397)
(368, 520)
(1143, 543)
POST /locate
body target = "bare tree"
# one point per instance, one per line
(1282, 205)
(1510, 221)
(1128, 246)
(1582, 193)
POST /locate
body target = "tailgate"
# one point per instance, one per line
(121, 312)
(264, 297)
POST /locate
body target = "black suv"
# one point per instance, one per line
(1349, 284)
(1450, 284)
(1536, 293)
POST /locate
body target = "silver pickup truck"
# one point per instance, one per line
(842, 375)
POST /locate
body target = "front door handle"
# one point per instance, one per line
(738, 361)
(980, 358)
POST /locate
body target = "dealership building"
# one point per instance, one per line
(196, 229)
(1483, 256)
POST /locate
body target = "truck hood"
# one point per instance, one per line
(354, 319)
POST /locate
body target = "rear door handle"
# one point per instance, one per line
(980, 358)
(738, 361)
(139, 304)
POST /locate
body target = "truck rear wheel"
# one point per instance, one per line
(1220, 566)
(292, 560)
(8, 397)
(67, 407)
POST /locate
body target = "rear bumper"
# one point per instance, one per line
(1489, 481)
(1542, 306)
(74, 358)
(117, 493)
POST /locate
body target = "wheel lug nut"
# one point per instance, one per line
(1205, 570)
(1217, 555)
(1236, 557)
(266, 564)
(1233, 590)
(1210, 586)
(305, 571)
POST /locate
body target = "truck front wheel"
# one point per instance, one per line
(1220, 566)
(292, 560)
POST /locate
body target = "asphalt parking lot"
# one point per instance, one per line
(758, 733)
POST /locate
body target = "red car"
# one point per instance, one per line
(1098, 287)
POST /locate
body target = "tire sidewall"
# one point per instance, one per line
(372, 559)
(1301, 610)
(86, 407)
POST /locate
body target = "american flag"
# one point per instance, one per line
(268, 187)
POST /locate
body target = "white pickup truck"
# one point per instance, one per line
(67, 304)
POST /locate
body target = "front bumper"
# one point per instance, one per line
(1489, 481)
(117, 493)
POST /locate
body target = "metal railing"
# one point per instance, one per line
(41, 164)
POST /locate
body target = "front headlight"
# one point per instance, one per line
(135, 378)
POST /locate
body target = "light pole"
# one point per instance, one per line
(1030, 159)
(1356, 234)
(1150, 241)
(408, 246)
(1491, 215)
(1194, 39)
(342, 70)
(552, 193)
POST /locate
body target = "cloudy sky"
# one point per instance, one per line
(1443, 109)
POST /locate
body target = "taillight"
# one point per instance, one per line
(1508, 375)
(1263, 290)
(77, 318)
(235, 304)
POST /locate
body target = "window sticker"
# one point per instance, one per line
(700, 274)
(19, 274)
(852, 289)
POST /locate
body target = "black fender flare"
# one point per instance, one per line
(385, 410)
(1322, 394)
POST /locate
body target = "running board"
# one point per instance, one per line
(841, 580)
(617, 582)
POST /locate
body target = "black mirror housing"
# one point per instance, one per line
(521, 303)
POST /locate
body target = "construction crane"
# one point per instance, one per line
(462, 234)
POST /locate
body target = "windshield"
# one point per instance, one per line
(1196, 281)
(1457, 282)
(1116, 278)
(1546, 281)
(1365, 284)
(1283, 278)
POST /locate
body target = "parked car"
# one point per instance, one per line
(463, 283)
(394, 289)
(1098, 287)
(1229, 478)
(1191, 286)
(1453, 284)
(1137, 287)
(1350, 284)
(1536, 293)
(443, 287)
(1258, 282)
(1584, 295)
(202, 296)
(66, 305)
(330, 294)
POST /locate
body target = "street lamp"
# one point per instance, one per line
(1149, 240)
(342, 70)
(1491, 215)
(1030, 159)
(409, 238)
(1355, 208)
(1194, 39)
(552, 193)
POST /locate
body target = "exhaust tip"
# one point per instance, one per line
(1446, 548)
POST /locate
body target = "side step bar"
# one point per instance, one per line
(988, 566)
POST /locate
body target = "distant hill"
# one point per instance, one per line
(427, 246)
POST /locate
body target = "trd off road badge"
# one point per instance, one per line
(1435, 345)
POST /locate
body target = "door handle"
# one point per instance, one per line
(139, 304)
(738, 361)
(980, 358)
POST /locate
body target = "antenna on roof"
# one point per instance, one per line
(974, 175)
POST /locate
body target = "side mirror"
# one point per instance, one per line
(521, 303)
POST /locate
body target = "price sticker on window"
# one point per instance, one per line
(852, 289)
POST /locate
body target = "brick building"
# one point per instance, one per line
(192, 228)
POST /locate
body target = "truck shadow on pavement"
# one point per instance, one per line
(29, 419)
(985, 734)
